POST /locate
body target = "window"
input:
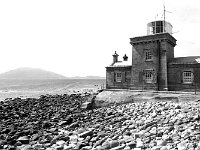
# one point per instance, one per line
(148, 55)
(156, 27)
(118, 77)
(187, 77)
(148, 76)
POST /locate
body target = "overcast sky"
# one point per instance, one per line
(79, 37)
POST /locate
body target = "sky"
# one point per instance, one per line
(79, 37)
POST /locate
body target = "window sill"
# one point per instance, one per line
(149, 60)
(187, 82)
(149, 82)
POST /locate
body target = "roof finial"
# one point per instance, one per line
(115, 54)
(125, 57)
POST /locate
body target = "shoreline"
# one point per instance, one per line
(36, 94)
(35, 88)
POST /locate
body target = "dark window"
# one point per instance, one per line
(187, 77)
(148, 55)
(157, 27)
(148, 76)
(118, 77)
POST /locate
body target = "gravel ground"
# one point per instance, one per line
(57, 122)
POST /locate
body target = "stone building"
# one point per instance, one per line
(153, 65)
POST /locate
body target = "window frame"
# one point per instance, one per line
(148, 55)
(187, 77)
(118, 78)
(148, 76)
(156, 27)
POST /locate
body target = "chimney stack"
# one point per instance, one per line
(115, 57)
(125, 57)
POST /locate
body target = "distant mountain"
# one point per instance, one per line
(87, 77)
(94, 77)
(30, 74)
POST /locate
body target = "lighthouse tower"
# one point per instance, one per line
(150, 56)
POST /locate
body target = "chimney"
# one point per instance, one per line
(115, 57)
(125, 57)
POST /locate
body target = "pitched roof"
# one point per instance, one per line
(185, 60)
(121, 64)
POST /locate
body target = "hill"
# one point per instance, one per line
(30, 74)
(87, 77)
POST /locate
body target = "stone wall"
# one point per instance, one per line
(175, 77)
(110, 77)
(139, 64)
(162, 47)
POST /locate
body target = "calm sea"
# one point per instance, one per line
(35, 88)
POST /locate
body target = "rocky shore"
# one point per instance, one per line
(57, 122)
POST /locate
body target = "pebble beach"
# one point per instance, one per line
(57, 122)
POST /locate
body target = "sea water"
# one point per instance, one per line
(34, 88)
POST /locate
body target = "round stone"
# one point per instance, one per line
(161, 143)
